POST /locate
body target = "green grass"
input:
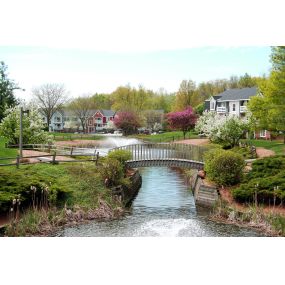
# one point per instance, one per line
(6, 152)
(71, 136)
(166, 137)
(277, 146)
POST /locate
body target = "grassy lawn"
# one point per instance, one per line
(6, 152)
(277, 146)
(71, 136)
(166, 137)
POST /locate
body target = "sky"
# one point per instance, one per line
(96, 46)
(89, 71)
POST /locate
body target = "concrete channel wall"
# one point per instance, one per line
(204, 195)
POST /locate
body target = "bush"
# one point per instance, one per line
(112, 172)
(265, 176)
(121, 155)
(224, 167)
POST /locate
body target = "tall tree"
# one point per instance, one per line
(186, 95)
(269, 109)
(82, 109)
(7, 86)
(246, 81)
(50, 98)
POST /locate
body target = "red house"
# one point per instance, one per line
(99, 120)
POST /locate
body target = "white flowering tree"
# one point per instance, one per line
(32, 127)
(225, 130)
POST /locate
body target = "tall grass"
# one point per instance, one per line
(253, 216)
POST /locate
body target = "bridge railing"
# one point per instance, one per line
(165, 151)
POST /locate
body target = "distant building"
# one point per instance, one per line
(99, 120)
(231, 102)
(234, 102)
(56, 123)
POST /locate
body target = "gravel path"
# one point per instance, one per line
(194, 141)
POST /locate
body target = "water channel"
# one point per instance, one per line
(164, 207)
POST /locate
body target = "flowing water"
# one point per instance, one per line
(164, 207)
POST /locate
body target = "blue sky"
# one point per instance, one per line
(89, 71)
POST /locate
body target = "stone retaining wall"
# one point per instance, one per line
(204, 195)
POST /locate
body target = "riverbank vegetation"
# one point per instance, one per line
(264, 184)
(255, 196)
(40, 198)
(271, 223)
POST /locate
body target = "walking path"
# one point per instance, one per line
(194, 141)
(262, 152)
(36, 153)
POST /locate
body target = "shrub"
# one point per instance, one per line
(224, 167)
(121, 155)
(112, 171)
(261, 183)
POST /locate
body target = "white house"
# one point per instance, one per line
(57, 121)
(234, 102)
(231, 102)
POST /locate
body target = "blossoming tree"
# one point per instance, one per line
(183, 121)
(225, 130)
(32, 127)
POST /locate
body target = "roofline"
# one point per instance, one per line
(232, 100)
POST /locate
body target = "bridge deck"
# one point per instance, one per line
(166, 162)
(164, 153)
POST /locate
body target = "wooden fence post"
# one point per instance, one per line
(97, 158)
(71, 151)
(18, 161)
(53, 158)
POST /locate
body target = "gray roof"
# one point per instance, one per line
(107, 113)
(237, 94)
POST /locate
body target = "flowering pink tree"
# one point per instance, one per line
(183, 121)
(127, 121)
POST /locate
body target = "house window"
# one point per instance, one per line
(212, 106)
(234, 107)
(262, 134)
(90, 122)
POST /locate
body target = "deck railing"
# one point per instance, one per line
(165, 151)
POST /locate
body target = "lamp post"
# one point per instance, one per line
(21, 130)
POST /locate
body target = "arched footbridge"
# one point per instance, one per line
(165, 154)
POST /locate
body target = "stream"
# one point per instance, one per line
(164, 207)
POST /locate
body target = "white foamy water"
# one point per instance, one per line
(119, 141)
(171, 228)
